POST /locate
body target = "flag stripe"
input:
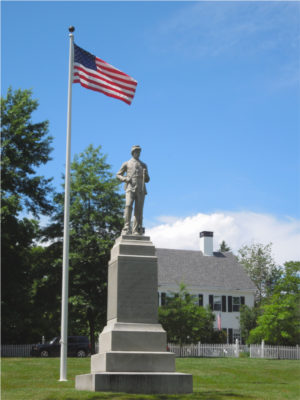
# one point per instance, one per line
(102, 82)
(110, 68)
(219, 321)
(103, 89)
(95, 74)
(83, 73)
(98, 89)
(96, 83)
(116, 77)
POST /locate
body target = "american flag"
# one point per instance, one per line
(95, 74)
(219, 321)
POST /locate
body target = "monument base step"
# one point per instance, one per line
(136, 382)
(133, 361)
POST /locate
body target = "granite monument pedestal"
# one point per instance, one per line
(133, 354)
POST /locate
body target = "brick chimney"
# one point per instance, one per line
(206, 243)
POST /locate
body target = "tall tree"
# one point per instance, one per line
(224, 247)
(96, 219)
(25, 147)
(280, 322)
(248, 320)
(185, 321)
(258, 261)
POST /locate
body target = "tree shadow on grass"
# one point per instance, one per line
(209, 395)
(219, 396)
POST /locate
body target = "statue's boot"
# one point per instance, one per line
(137, 228)
(127, 216)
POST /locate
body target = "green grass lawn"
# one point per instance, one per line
(214, 379)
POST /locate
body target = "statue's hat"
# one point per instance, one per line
(136, 147)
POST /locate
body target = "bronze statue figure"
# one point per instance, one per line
(135, 174)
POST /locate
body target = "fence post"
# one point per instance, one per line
(237, 348)
(198, 349)
(262, 349)
(297, 352)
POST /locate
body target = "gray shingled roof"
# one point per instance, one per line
(221, 270)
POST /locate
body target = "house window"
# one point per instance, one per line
(236, 302)
(200, 300)
(217, 303)
(194, 298)
(236, 333)
(163, 299)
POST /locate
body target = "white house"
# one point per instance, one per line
(214, 278)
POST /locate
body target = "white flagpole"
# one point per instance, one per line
(65, 266)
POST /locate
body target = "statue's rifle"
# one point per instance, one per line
(144, 178)
(144, 193)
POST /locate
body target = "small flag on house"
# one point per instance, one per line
(219, 321)
(95, 74)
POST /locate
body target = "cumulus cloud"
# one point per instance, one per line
(236, 228)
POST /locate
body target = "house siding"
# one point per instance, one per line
(205, 278)
(230, 320)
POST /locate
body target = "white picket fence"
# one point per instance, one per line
(208, 350)
(275, 352)
(194, 350)
(15, 350)
(234, 350)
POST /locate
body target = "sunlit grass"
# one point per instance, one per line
(214, 379)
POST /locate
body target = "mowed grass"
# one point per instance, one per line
(214, 379)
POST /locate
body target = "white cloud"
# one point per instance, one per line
(236, 228)
(214, 28)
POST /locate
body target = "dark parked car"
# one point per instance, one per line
(78, 346)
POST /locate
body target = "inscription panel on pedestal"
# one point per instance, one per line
(132, 290)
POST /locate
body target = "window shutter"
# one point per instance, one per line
(229, 303)
(230, 335)
(242, 300)
(211, 301)
(201, 300)
(224, 303)
(163, 299)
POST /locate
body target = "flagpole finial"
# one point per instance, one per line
(71, 29)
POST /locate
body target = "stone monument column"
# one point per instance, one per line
(133, 354)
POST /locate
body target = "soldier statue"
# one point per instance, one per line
(135, 174)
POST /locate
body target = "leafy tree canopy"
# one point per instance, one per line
(25, 146)
(185, 321)
(248, 320)
(258, 261)
(280, 322)
(96, 219)
(224, 247)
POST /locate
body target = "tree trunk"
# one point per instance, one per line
(91, 321)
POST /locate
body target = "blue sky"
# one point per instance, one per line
(217, 107)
